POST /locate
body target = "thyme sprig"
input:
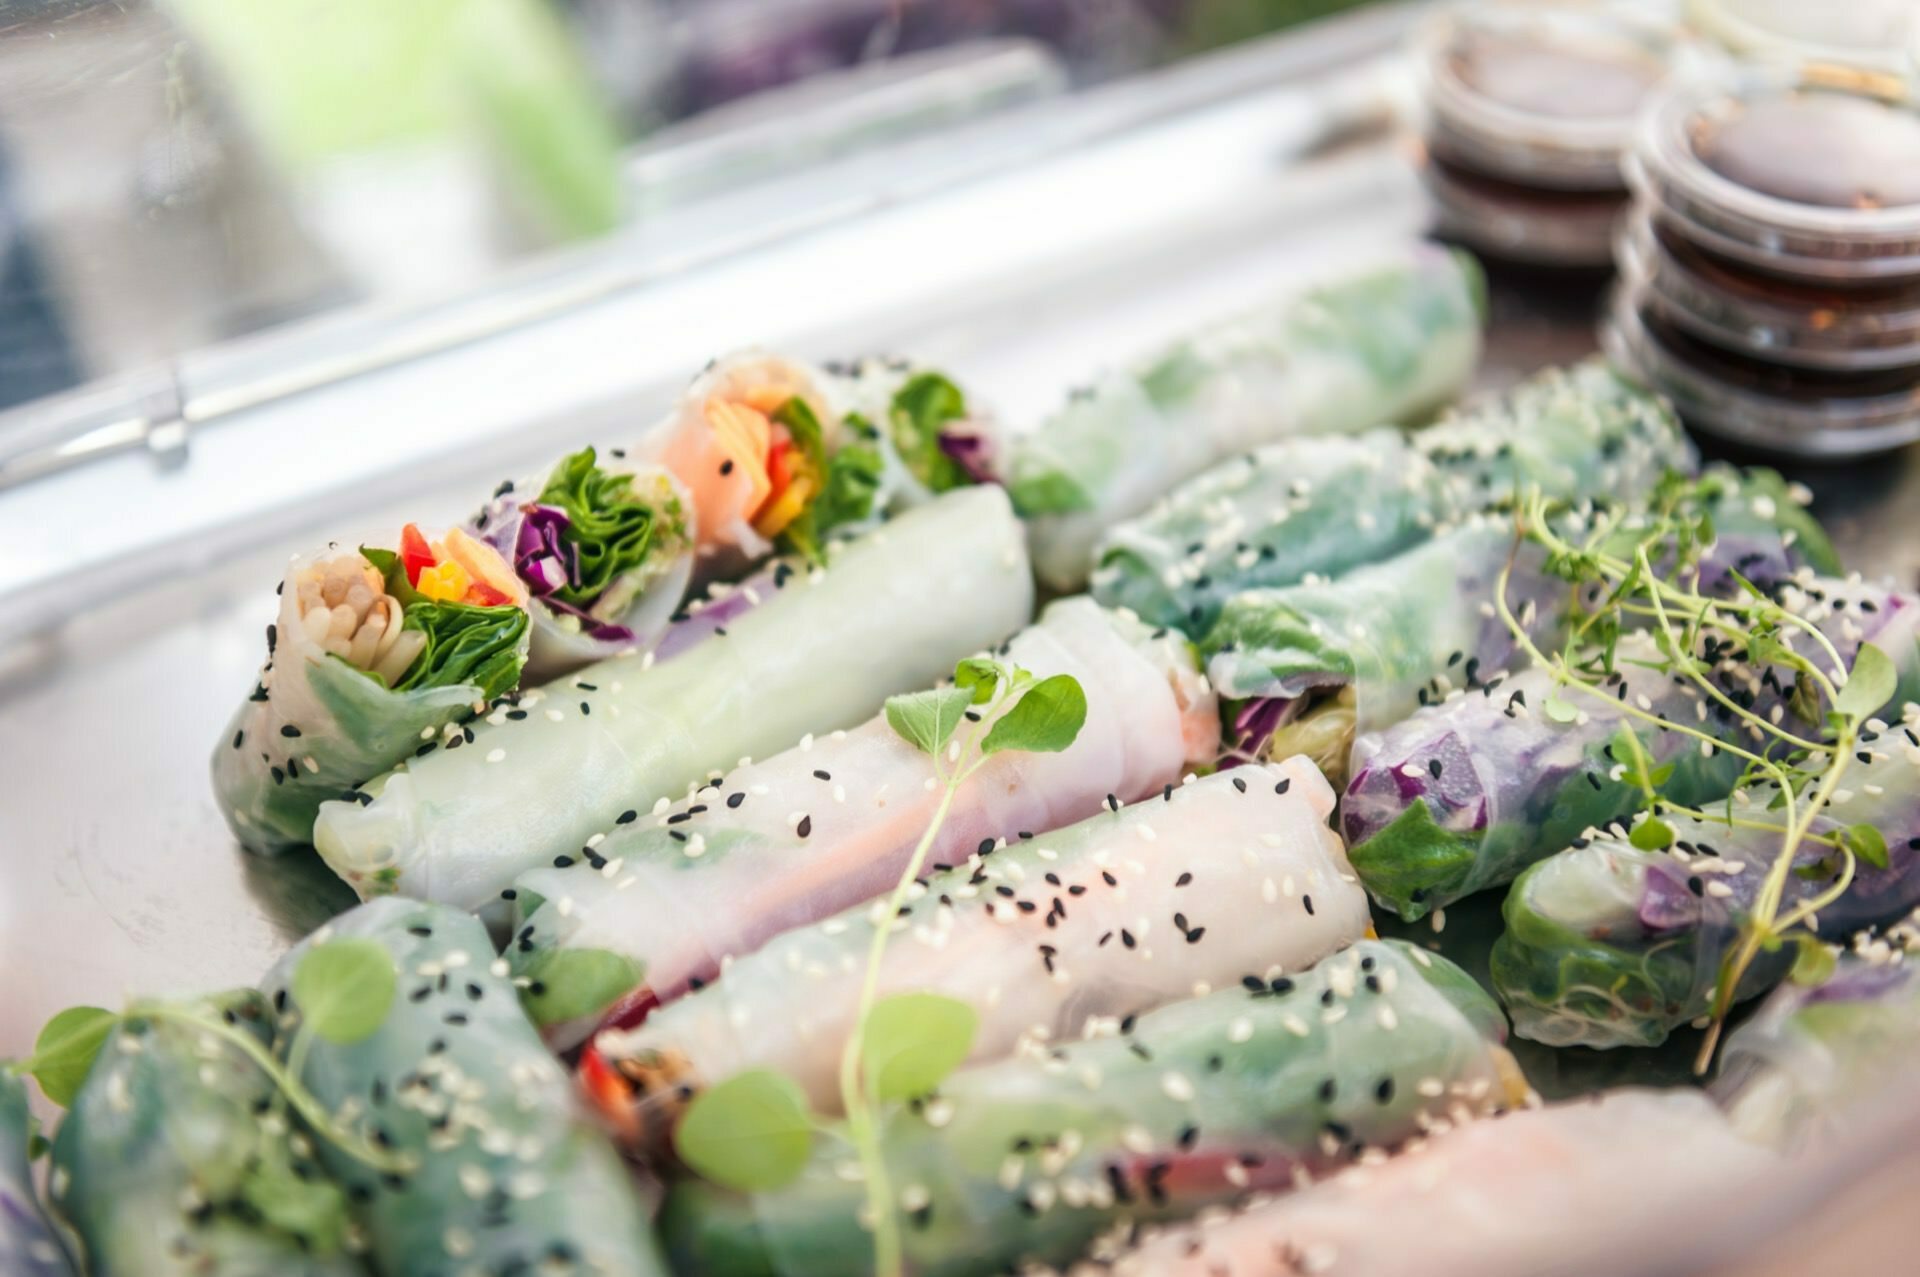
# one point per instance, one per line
(1646, 575)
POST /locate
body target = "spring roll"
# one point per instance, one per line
(893, 610)
(664, 899)
(604, 550)
(1463, 796)
(175, 1158)
(1512, 1198)
(1028, 1160)
(1383, 345)
(374, 652)
(505, 1173)
(1321, 507)
(1813, 1064)
(1234, 874)
(778, 452)
(1608, 945)
(1304, 668)
(29, 1244)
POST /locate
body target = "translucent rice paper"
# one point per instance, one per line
(314, 727)
(1031, 1159)
(1232, 875)
(1813, 1065)
(893, 611)
(1308, 508)
(162, 1162)
(1512, 1198)
(1463, 796)
(1383, 345)
(1607, 945)
(454, 1077)
(1422, 627)
(29, 1247)
(654, 590)
(666, 898)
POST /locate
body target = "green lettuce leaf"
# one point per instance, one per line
(611, 527)
(921, 407)
(465, 644)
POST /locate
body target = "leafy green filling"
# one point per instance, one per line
(484, 646)
(1414, 861)
(567, 984)
(610, 526)
(921, 407)
(849, 484)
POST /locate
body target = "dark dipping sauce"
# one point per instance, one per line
(1832, 150)
(1543, 74)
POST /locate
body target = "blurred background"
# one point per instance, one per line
(177, 173)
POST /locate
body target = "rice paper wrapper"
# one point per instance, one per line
(1463, 796)
(662, 901)
(314, 728)
(455, 1079)
(1382, 345)
(29, 1244)
(1032, 1159)
(1609, 945)
(1234, 875)
(891, 612)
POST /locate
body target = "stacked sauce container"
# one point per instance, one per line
(1770, 268)
(1529, 109)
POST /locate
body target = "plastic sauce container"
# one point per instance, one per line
(1858, 33)
(1529, 111)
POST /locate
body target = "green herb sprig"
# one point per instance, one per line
(1648, 577)
(754, 1131)
(344, 988)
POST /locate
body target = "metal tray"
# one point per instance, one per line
(117, 876)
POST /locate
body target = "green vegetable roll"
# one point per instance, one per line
(1029, 1160)
(504, 1175)
(1321, 507)
(175, 1156)
(1383, 345)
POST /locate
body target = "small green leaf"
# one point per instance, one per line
(1045, 720)
(980, 673)
(1813, 962)
(574, 983)
(927, 719)
(913, 1040)
(64, 1051)
(309, 1207)
(1558, 710)
(1870, 684)
(344, 988)
(1867, 845)
(751, 1132)
(1652, 834)
(1661, 774)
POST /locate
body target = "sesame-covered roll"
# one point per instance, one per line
(1049, 939)
(891, 611)
(1608, 945)
(1512, 1198)
(664, 898)
(374, 652)
(1306, 667)
(1321, 507)
(1381, 345)
(1463, 796)
(504, 1175)
(29, 1246)
(1030, 1159)
(177, 1156)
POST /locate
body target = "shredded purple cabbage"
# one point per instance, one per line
(699, 620)
(1861, 983)
(531, 540)
(1667, 903)
(1253, 726)
(972, 451)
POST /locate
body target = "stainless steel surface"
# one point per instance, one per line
(116, 875)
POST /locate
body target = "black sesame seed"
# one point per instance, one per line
(1327, 1091)
(1183, 880)
(1240, 784)
(1308, 902)
(821, 773)
(805, 827)
(1283, 786)
(562, 862)
(626, 817)
(1383, 1092)
(735, 799)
